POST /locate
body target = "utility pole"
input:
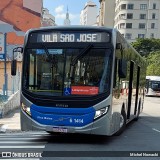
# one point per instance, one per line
(5, 92)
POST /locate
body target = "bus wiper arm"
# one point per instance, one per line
(47, 53)
(46, 50)
(81, 55)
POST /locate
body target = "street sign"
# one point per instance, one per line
(1, 46)
(1, 56)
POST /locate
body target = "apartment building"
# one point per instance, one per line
(133, 18)
(138, 18)
(88, 15)
(107, 13)
(47, 18)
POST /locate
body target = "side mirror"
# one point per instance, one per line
(18, 49)
(122, 68)
(13, 67)
(118, 46)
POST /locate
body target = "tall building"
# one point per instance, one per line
(67, 20)
(133, 18)
(88, 15)
(107, 13)
(47, 18)
(138, 19)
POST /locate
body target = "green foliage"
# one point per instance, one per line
(150, 49)
(153, 60)
(146, 46)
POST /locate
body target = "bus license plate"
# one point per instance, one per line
(62, 130)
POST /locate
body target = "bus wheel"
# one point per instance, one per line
(139, 107)
(123, 118)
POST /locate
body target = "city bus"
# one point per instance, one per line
(75, 79)
(152, 85)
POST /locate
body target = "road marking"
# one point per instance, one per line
(28, 133)
(156, 130)
(22, 159)
(19, 139)
(13, 147)
(3, 128)
(24, 142)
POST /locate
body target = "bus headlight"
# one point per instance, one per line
(26, 109)
(101, 112)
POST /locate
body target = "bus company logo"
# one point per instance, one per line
(62, 119)
(62, 105)
(6, 154)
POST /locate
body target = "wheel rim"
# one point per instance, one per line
(121, 121)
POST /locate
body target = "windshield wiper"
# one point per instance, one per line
(46, 50)
(81, 55)
(48, 54)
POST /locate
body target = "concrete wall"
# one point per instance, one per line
(12, 103)
(13, 81)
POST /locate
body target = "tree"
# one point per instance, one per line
(146, 46)
(153, 60)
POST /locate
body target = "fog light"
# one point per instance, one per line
(101, 112)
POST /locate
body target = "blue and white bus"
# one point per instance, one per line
(73, 78)
(153, 86)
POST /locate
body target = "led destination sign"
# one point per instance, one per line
(70, 37)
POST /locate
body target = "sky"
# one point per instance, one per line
(58, 9)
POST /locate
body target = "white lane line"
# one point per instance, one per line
(23, 134)
(18, 139)
(23, 142)
(13, 147)
(22, 159)
(3, 128)
(156, 130)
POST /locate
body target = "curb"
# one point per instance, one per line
(12, 103)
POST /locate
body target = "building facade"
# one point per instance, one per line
(133, 18)
(138, 18)
(88, 15)
(107, 13)
(16, 17)
(47, 18)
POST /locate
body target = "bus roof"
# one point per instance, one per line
(72, 28)
(76, 27)
(153, 78)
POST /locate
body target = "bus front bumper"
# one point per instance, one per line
(99, 127)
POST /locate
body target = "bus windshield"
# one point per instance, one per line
(155, 85)
(50, 71)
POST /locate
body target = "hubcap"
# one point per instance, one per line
(121, 121)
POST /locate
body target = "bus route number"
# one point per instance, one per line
(78, 120)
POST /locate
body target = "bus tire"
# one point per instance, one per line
(139, 108)
(123, 121)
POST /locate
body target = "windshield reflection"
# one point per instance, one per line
(48, 71)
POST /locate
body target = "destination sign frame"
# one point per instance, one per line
(81, 37)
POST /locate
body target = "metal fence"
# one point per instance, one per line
(13, 84)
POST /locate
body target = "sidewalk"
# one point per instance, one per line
(10, 122)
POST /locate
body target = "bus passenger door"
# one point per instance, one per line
(129, 111)
(137, 91)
